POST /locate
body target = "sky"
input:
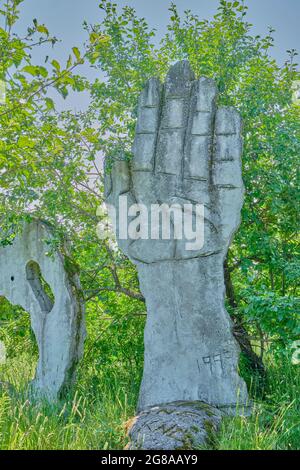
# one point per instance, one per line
(64, 19)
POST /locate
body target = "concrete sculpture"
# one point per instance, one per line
(187, 150)
(27, 274)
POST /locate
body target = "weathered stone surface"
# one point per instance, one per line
(190, 352)
(174, 426)
(58, 326)
(189, 348)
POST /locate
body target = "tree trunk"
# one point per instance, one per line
(255, 362)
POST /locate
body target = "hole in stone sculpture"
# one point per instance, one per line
(21, 349)
(40, 287)
(12, 278)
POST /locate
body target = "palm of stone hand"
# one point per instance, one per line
(186, 151)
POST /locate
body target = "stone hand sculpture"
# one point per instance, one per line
(186, 151)
(58, 324)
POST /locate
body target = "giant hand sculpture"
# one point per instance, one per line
(186, 151)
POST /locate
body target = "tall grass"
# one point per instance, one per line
(275, 422)
(89, 418)
(94, 414)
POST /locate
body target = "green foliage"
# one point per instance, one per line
(278, 316)
(51, 168)
(15, 331)
(275, 422)
(95, 414)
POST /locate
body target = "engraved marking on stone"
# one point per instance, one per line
(218, 358)
(206, 360)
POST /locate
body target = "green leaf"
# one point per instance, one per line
(49, 103)
(43, 71)
(56, 65)
(31, 69)
(76, 52)
(42, 29)
(25, 142)
(69, 62)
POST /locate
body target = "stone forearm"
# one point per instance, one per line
(190, 353)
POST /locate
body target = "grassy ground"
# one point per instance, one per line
(275, 424)
(93, 416)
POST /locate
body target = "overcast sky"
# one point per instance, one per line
(64, 19)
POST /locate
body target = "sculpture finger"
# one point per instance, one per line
(227, 170)
(147, 126)
(174, 120)
(118, 198)
(199, 141)
(116, 180)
